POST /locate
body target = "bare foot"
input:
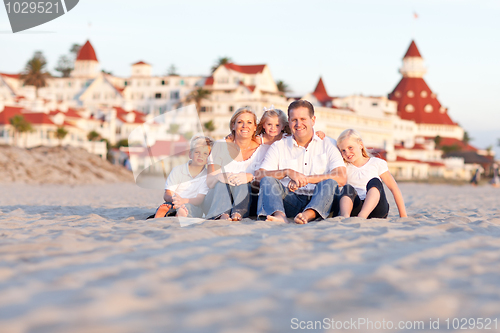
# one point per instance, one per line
(305, 217)
(182, 212)
(279, 217)
(224, 217)
(236, 217)
(163, 210)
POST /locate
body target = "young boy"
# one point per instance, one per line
(186, 184)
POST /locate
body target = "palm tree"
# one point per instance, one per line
(61, 133)
(221, 61)
(20, 125)
(197, 96)
(282, 86)
(34, 72)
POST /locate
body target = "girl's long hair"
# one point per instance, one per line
(274, 113)
(354, 135)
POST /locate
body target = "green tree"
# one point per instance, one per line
(197, 96)
(93, 136)
(221, 61)
(466, 139)
(75, 48)
(282, 86)
(437, 140)
(172, 70)
(188, 135)
(209, 126)
(20, 125)
(173, 128)
(64, 65)
(122, 143)
(61, 133)
(34, 72)
(449, 149)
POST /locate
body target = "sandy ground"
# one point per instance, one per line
(83, 259)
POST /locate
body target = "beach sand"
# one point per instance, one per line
(83, 259)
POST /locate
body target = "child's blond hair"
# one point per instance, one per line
(273, 113)
(201, 141)
(354, 135)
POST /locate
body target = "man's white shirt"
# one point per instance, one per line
(319, 158)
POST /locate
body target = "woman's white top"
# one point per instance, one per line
(359, 177)
(220, 156)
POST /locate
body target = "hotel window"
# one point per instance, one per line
(231, 108)
(423, 94)
(410, 93)
(374, 104)
(125, 83)
(174, 94)
(162, 82)
(409, 108)
(203, 109)
(158, 95)
(428, 108)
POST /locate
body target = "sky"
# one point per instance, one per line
(356, 46)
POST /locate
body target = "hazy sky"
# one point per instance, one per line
(356, 46)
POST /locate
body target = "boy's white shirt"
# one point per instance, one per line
(320, 157)
(183, 183)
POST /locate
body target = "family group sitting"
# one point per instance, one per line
(279, 168)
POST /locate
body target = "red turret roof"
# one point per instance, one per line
(247, 69)
(140, 63)
(412, 51)
(86, 52)
(320, 93)
(409, 92)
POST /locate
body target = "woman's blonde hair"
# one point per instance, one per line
(354, 135)
(239, 112)
(273, 113)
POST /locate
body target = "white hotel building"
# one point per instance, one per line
(402, 126)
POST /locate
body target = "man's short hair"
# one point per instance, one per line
(301, 103)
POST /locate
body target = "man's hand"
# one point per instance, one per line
(178, 201)
(292, 186)
(299, 178)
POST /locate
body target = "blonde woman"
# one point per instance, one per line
(231, 169)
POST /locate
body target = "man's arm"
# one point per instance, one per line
(297, 177)
(338, 174)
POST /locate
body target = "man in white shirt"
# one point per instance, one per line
(300, 173)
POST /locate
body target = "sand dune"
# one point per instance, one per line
(83, 259)
(57, 165)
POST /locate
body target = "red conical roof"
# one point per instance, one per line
(414, 91)
(320, 92)
(412, 51)
(86, 52)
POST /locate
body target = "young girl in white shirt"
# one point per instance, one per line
(364, 195)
